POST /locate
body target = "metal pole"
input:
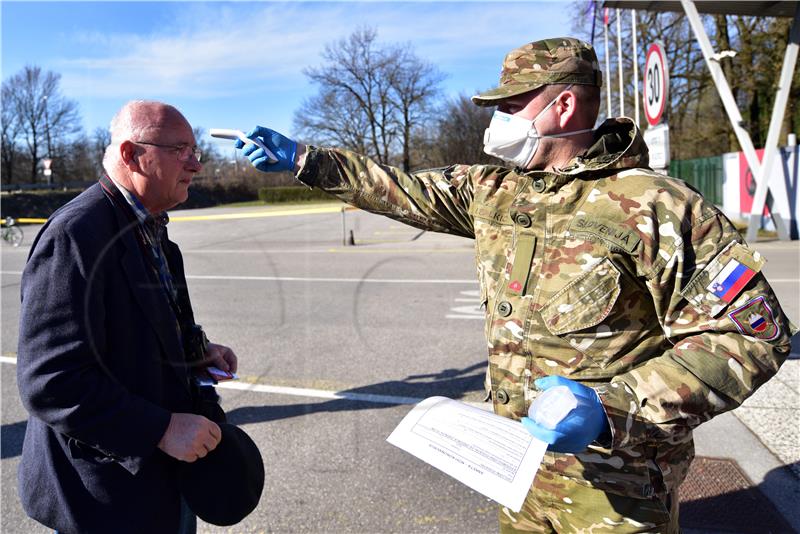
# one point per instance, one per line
(778, 185)
(635, 68)
(724, 90)
(344, 230)
(608, 68)
(619, 66)
(47, 131)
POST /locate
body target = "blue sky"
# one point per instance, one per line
(235, 64)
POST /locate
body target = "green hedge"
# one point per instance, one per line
(290, 194)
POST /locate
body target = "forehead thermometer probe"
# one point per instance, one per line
(224, 133)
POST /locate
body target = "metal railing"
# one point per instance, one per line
(704, 174)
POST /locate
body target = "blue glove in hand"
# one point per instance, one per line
(284, 149)
(582, 425)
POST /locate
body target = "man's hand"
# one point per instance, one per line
(582, 425)
(285, 150)
(221, 357)
(189, 437)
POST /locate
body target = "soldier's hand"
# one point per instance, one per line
(189, 437)
(582, 425)
(284, 149)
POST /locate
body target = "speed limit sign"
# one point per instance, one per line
(656, 83)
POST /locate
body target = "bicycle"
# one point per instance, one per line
(11, 233)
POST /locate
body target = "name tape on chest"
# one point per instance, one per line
(612, 232)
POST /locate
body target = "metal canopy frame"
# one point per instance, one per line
(760, 169)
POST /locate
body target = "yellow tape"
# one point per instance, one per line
(222, 216)
(257, 214)
(25, 220)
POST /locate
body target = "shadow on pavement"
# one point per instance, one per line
(718, 497)
(453, 383)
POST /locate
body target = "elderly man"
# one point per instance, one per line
(108, 347)
(624, 286)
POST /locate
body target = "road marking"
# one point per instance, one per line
(313, 251)
(334, 280)
(310, 279)
(467, 312)
(319, 393)
(299, 392)
(356, 250)
(257, 214)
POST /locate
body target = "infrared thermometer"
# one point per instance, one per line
(224, 133)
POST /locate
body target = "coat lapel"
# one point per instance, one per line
(148, 293)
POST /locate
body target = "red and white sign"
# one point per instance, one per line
(656, 83)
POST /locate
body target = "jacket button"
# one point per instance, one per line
(538, 185)
(523, 219)
(504, 308)
(502, 396)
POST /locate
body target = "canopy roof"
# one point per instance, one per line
(715, 7)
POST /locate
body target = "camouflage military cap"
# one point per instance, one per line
(549, 61)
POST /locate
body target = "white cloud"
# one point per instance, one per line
(235, 49)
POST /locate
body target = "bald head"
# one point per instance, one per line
(136, 120)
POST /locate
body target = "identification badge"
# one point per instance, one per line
(756, 319)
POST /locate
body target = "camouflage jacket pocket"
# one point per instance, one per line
(719, 283)
(584, 302)
(601, 314)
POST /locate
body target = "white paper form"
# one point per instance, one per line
(491, 454)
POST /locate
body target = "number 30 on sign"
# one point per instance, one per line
(656, 83)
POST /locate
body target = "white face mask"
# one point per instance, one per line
(515, 139)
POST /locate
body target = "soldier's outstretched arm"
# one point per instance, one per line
(726, 330)
(437, 200)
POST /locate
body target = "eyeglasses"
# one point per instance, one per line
(183, 151)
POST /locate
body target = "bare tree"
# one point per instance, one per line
(415, 84)
(459, 133)
(695, 113)
(101, 138)
(10, 127)
(45, 115)
(371, 97)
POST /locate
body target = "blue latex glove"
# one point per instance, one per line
(582, 425)
(284, 149)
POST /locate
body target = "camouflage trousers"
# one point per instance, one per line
(567, 506)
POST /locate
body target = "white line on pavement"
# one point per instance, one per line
(327, 250)
(298, 392)
(319, 393)
(311, 279)
(343, 280)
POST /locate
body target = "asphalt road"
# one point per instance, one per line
(396, 315)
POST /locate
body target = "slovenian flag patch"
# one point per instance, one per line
(730, 280)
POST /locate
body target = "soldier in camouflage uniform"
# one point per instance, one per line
(594, 268)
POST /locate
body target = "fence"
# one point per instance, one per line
(704, 174)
